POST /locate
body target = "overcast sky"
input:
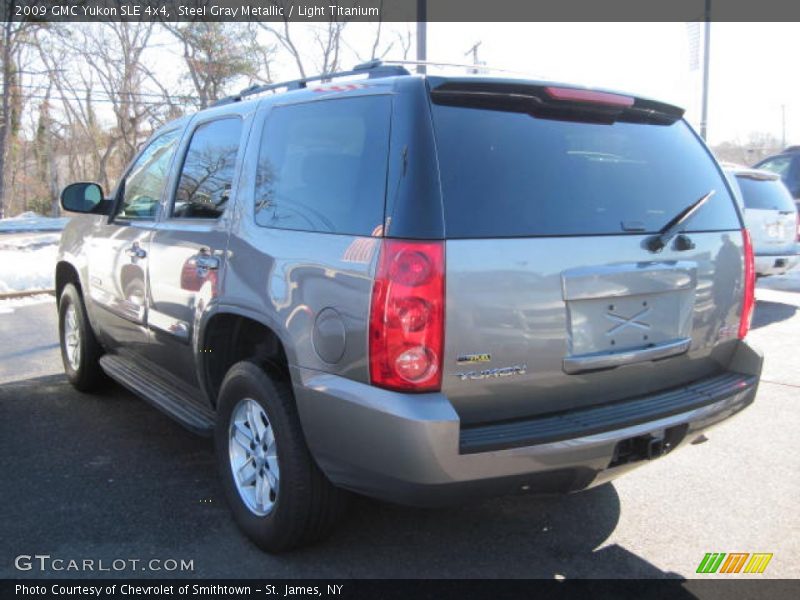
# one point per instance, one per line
(752, 73)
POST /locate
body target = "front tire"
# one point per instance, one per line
(80, 350)
(278, 495)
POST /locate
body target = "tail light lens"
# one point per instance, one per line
(749, 301)
(406, 330)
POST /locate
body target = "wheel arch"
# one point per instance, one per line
(66, 273)
(229, 334)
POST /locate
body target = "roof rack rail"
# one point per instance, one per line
(374, 69)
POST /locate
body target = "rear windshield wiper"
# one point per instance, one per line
(658, 242)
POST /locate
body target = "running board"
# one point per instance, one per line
(165, 397)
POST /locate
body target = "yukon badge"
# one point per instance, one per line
(465, 359)
(493, 373)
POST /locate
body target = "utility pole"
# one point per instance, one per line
(783, 126)
(706, 49)
(422, 34)
(474, 51)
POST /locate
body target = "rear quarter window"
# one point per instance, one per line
(322, 166)
(510, 174)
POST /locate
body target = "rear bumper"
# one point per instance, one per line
(410, 448)
(775, 264)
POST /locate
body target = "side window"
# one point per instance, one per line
(779, 165)
(322, 166)
(208, 169)
(145, 181)
(794, 178)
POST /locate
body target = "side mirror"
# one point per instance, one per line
(84, 197)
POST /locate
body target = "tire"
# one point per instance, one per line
(80, 350)
(297, 504)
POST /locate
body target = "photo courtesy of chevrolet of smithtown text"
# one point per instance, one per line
(393, 299)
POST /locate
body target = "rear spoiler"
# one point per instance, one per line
(756, 174)
(555, 102)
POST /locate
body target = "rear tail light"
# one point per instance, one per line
(749, 300)
(406, 330)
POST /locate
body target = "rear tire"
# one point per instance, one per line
(80, 350)
(280, 499)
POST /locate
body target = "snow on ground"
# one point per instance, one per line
(30, 221)
(27, 262)
(8, 305)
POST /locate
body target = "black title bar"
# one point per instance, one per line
(398, 10)
(389, 589)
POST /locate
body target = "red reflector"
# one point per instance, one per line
(590, 96)
(406, 327)
(749, 296)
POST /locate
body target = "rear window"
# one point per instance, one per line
(322, 166)
(509, 174)
(779, 165)
(761, 194)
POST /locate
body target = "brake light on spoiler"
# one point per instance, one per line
(588, 96)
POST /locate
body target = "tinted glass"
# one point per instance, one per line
(147, 177)
(510, 174)
(779, 165)
(207, 174)
(322, 166)
(760, 194)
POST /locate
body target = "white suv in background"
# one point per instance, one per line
(771, 216)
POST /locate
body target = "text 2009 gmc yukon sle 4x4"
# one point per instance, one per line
(415, 288)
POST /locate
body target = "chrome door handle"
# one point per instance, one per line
(136, 251)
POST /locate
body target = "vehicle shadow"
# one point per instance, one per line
(107, 476)
(550, 537)
(767, 313)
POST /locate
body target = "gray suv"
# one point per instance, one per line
(415, 288)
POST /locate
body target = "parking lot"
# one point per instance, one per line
(108, 477)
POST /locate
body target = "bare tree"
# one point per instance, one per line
(105, 62)
(380, 48)
(263, 55)
(405, 40)
(757, 146)
(327, 41)
(116, 59)
(216, 54)
(283, 33)
(43, 149)
(14, 37)
(76, 89)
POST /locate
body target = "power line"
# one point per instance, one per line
(101, 100)
(29, 86)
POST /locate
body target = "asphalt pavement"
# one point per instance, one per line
(105, 477)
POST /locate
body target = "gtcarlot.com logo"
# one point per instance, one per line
(47, 563)
(735, 562)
